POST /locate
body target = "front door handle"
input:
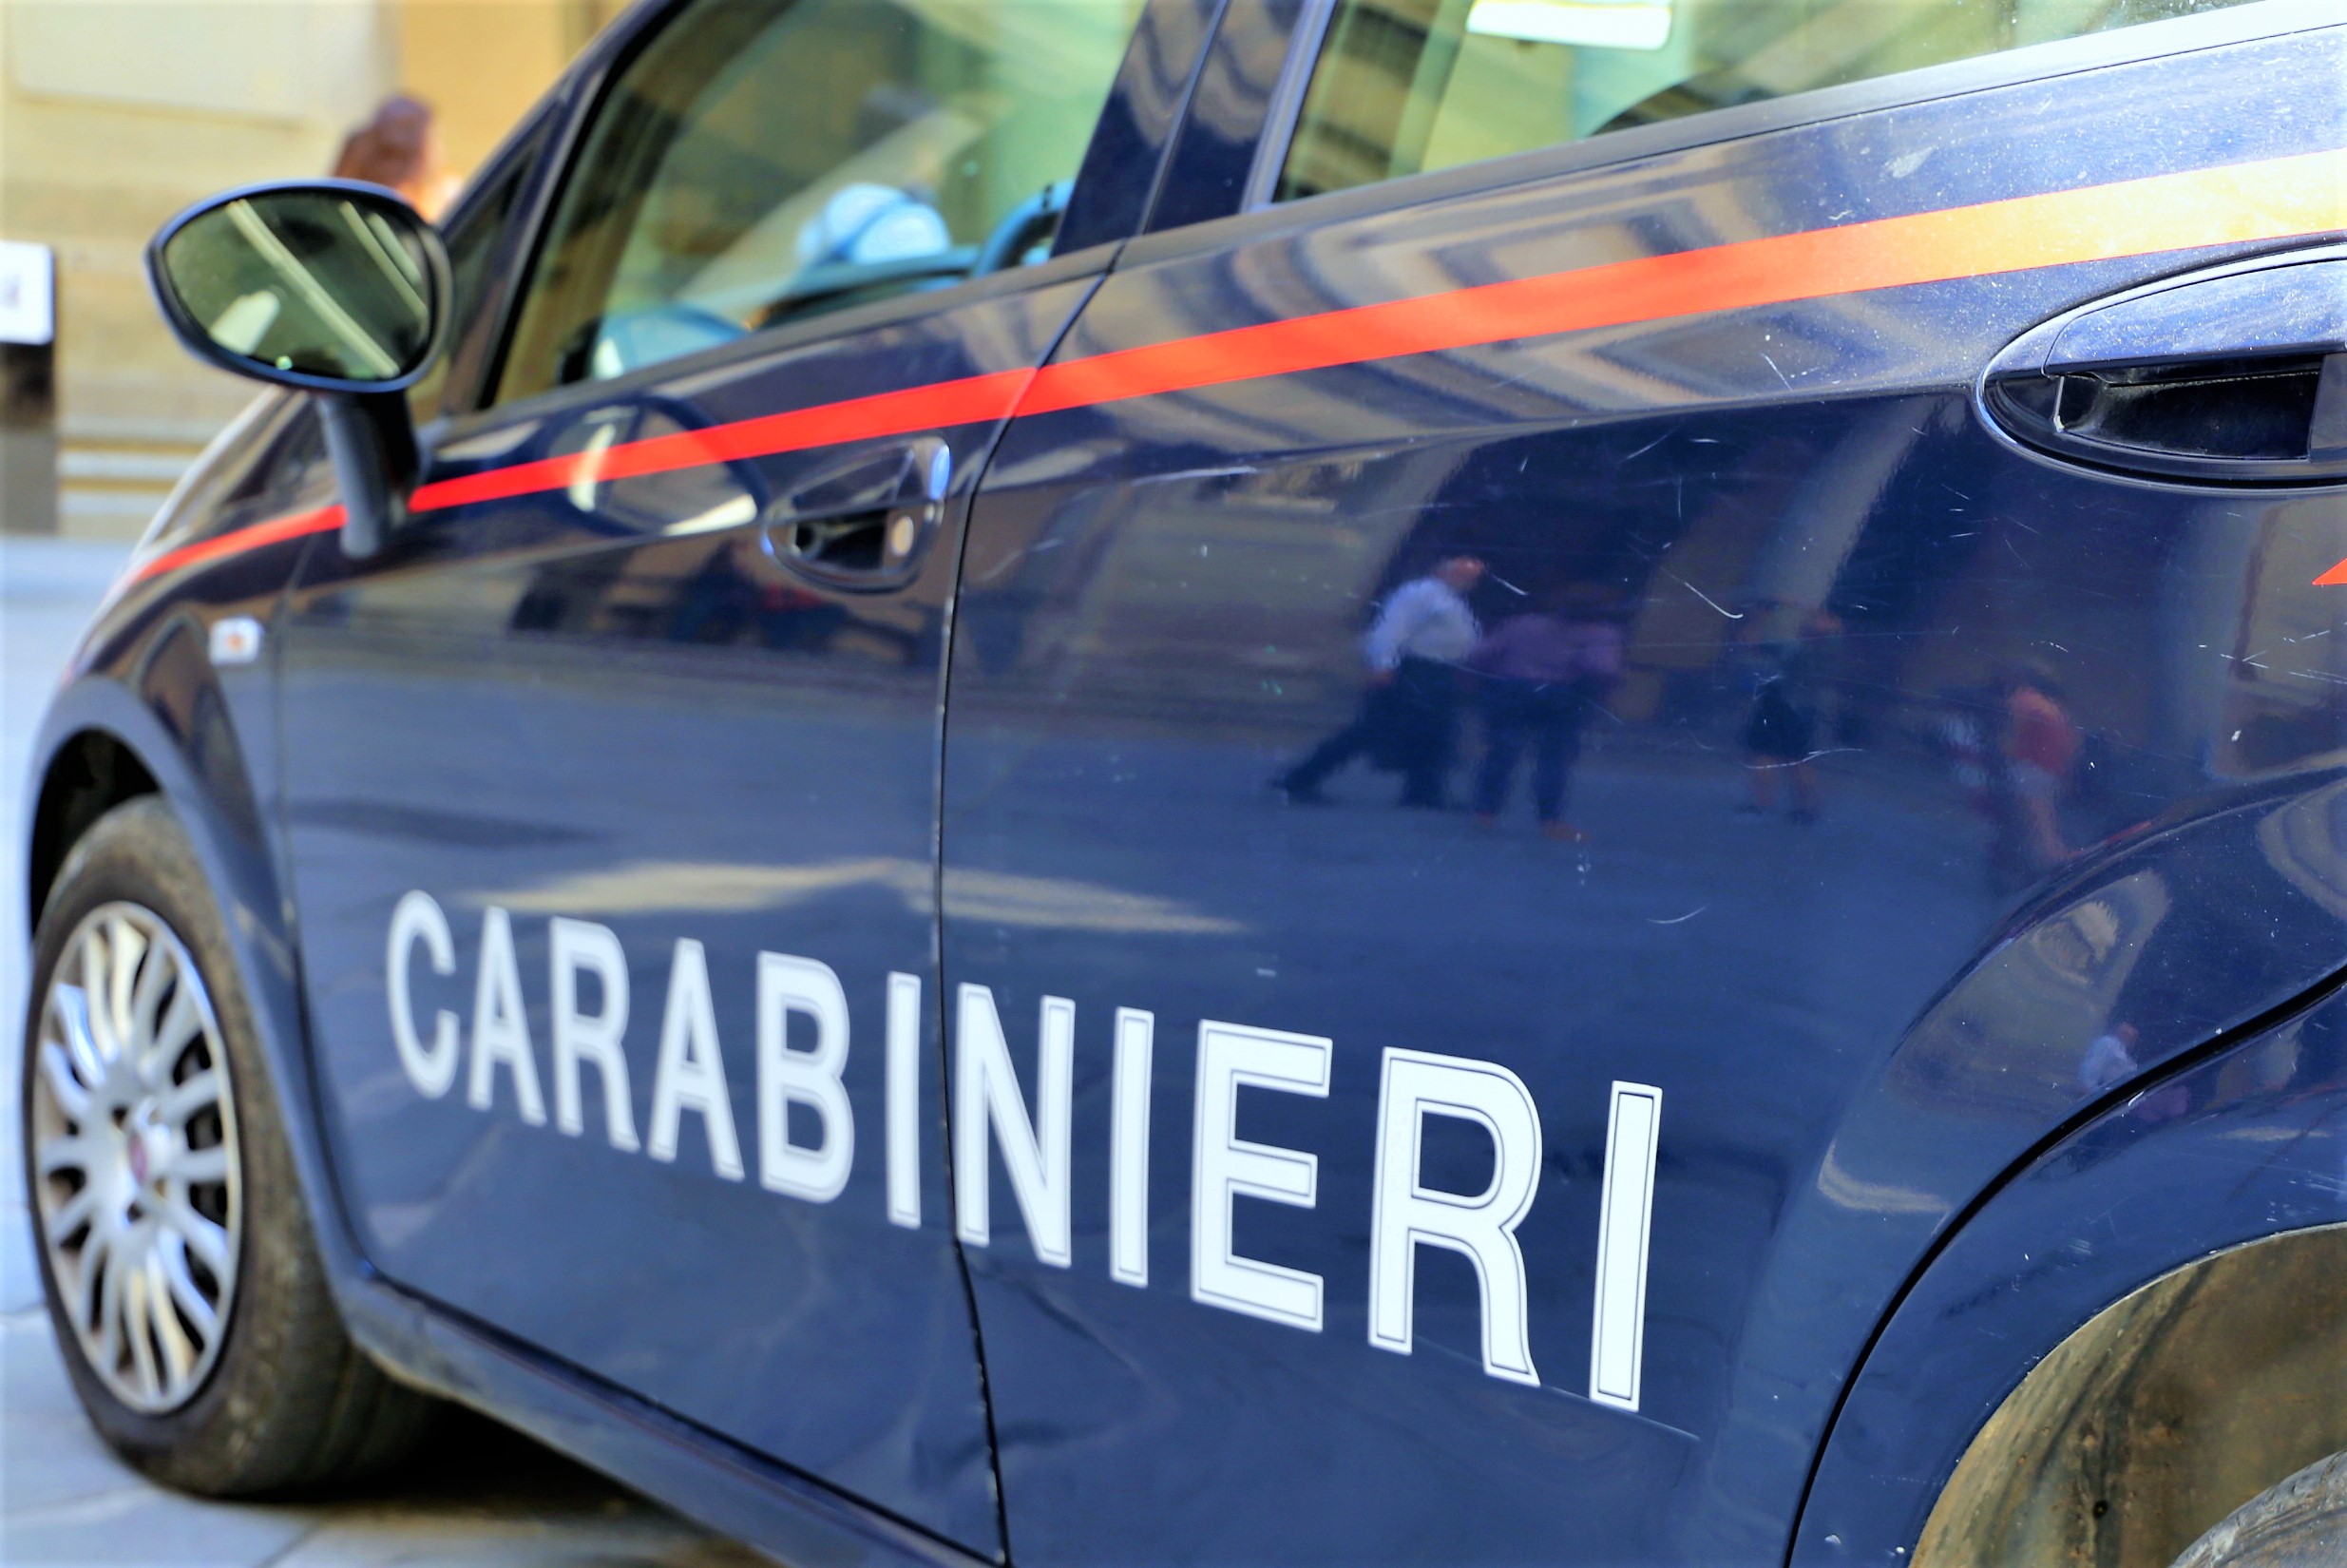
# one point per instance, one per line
(865, 522)
(2233, 376)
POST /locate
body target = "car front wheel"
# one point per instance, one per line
(181, 1274)
(2300, 1522)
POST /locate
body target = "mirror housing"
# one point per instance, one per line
(335, 287)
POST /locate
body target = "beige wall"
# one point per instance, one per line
(116, 113)
(441, 45)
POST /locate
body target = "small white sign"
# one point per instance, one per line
(1582, 24)
(27, 293)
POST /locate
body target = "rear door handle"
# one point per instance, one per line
(865, 522)
(2233, 376)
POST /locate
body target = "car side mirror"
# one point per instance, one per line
(333, 286)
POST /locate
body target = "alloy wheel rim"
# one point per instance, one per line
(135, 1177)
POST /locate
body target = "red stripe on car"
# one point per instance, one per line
(2239, 203)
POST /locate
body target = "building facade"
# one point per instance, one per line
(116, 113)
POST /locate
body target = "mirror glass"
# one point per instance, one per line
(320, 281)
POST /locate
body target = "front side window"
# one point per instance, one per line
(1404, 86)
(474, 236)
(762, 160)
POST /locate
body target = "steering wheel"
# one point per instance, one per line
(1026, 226)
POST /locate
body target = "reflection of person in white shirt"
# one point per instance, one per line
(1409, 717)
(1427, 619)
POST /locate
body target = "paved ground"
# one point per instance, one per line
(487, 1498)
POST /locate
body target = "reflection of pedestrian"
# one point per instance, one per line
(2109, 1059)
(1544, 671)
(398, 147)
(1781, 736)
(2040, 747)
(1408, 720)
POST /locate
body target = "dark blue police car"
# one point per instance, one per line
(1392, 782)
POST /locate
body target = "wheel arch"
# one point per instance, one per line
(150, 716)
(2161, 1414)
(2150, 1316)
(89, 773)
(160, 727)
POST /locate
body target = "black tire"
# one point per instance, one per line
(2299, 1523)
(289, 1402)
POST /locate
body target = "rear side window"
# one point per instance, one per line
(1403, 87)
(763, 160)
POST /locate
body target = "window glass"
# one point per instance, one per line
(295, 457)
(472, 235)
(270, 460)
(1402, 86)
(225, 472)
(766, 159)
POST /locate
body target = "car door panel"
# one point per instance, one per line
(616, 702)
(1730, 387)
(613, 832)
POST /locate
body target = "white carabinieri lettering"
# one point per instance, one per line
(990, 1109)
(431, 1068)
(690, 1074)
(1480, 1226)
(501, 1026)
(807, 1134)
(804, 988)
(1225, 1167)
(581, 1039)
